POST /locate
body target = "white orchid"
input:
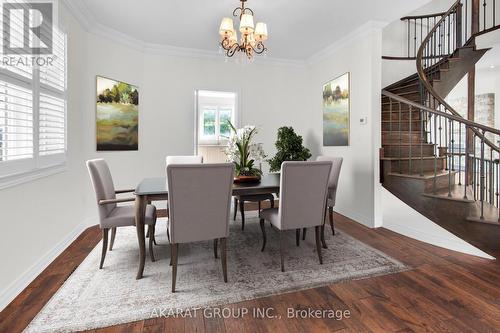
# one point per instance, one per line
(242, 152)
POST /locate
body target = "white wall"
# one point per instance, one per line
(39, 217)
(360, 56)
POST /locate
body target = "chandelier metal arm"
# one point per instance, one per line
(259, 48)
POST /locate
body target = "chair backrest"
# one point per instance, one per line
(199, 197)
(103, 185)
(303, 192)
(334, 174)
(189, 159)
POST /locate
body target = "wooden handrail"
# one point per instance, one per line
(418, 17)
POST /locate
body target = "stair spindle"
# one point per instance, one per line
(482, 177)
(448, 164)
(410, 139)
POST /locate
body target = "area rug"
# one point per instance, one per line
(92, 298)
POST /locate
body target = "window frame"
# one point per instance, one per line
(24, 170)
(217, 139)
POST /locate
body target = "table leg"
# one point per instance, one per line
(140, 211)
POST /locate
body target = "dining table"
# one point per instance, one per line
(156, 189)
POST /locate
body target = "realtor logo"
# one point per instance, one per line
(27, 28)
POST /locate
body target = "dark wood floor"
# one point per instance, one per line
(444, 292)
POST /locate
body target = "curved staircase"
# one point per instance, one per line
(444, 166)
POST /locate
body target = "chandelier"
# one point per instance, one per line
(252, 37)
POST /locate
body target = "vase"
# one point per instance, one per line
(246, 179)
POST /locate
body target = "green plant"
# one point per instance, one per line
(242, 152)
(290, 148)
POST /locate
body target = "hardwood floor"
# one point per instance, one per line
(443, 292)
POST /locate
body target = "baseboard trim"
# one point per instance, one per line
(359, 218)
(17, 286)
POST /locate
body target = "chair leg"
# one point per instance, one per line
(259, 207)
(174, 248)
(215, 248)
(168, 233)
(112, 241)
(151, 231)
(318, 244)
(272, 202)
(147, 232)
(104, 246)
(242, 211)
(235, 208)
(262, 227)
(323, 242)
(304, 233)
(297, 236)
(281, 252)
(330, 216)
(223, 254)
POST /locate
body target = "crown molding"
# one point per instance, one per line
(88, 22)
(362, 31)
(84, 16)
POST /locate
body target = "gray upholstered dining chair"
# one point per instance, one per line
(200, 203)
(181, 159)
(112, 216)
(303, 192)
(332, 184)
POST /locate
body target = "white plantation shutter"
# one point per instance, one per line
(52, 128)
(32, 110)
(55, 76)
(16, 122)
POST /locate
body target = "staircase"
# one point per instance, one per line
(444, 166)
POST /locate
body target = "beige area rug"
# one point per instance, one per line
(93, 298)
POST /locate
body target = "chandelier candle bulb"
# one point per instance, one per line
(226, 27)
(261, 32)
(246, 24)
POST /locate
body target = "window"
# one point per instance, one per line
(215, 111)
(32, 112)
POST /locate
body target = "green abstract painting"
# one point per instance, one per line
(336, 99)
(117, 115)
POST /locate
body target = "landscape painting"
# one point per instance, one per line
(336, 96)
(117, 115)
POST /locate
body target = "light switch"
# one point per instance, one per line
(363, 120)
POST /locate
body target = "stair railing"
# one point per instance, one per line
(467, 160)
(482, 172)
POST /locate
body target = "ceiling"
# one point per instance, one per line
(298, 28)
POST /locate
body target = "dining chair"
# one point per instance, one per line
(332, 184)
(303, 193)
(205, 216)
(241, 199)
(112, 216)
(181, 159)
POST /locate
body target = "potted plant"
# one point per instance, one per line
(243, 153)
(290, 148)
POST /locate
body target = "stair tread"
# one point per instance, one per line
(396, 120)
(406, 144)
(426, 175)
(490, 214)
(413, 158)
(456, 194)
